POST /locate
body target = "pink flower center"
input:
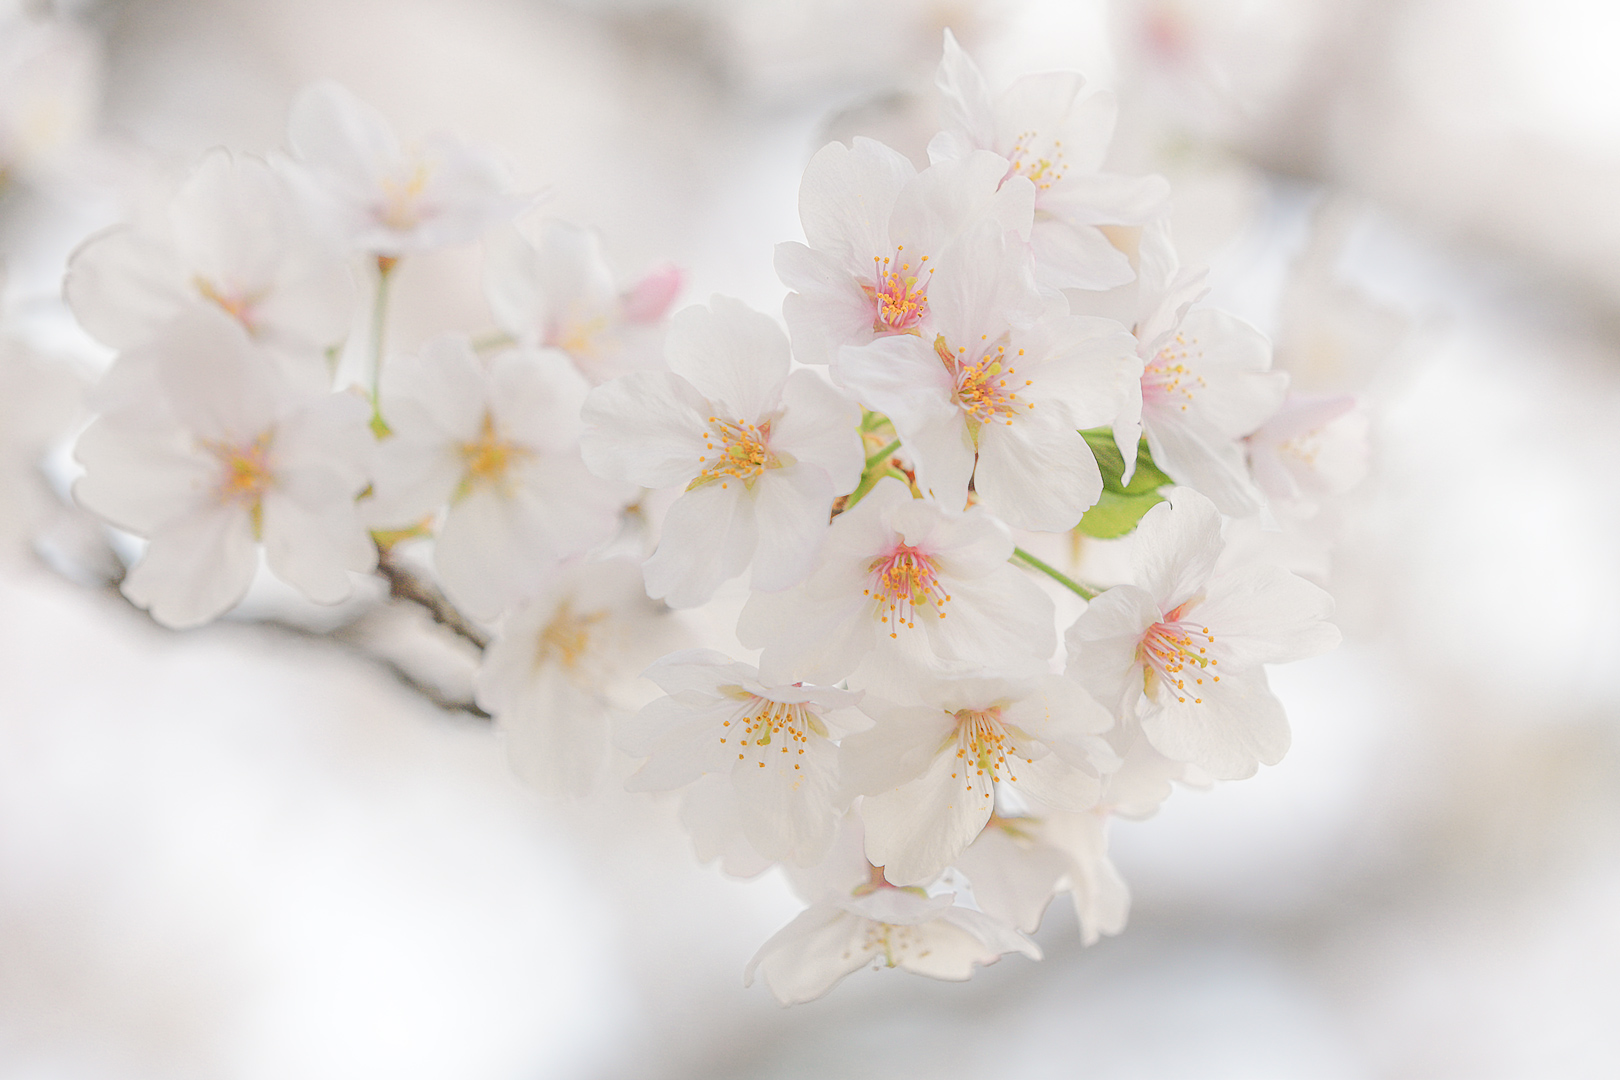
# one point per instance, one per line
(899, 296)
(982, 388)
(1167, 380)
(1043, 170)
(1177, 650)
(744, 452)
(238, 307)
(903, 581)
(245, 470)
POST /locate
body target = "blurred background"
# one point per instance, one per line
(238, 853)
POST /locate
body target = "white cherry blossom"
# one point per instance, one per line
(931, 772)
(761, 453)
(384, 197)
(496, 441)
(1018, 864)
(1057, 140)
(559, 292)
(983, 394)
(232, 237)
(1206, 383)
(564, 666)
(773, 742)
(874, 227)
(903, 584)
(1180, 651)
(221, 455)
(1313, 449)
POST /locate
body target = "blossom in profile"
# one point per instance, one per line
(382, 196)
(903, 585)
(1057, 140)
(989, 395)
(494, 445)
(220, 456)
(761, 453)
(231, 237)
(775, 744)
(1180, 652)
(559, 292)
(1018, 864)
(931, 772)
(875, 228)
(564, 667)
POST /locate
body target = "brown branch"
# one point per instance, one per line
(403, 584)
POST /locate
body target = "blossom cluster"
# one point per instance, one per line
(911, 734)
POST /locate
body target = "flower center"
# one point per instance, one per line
(982, 387)
(489, 457)
(402, 199)
(744, 452)
(245, 470)
(1167, 380)
(899, 295)
(1043, 170)
(982, 746)
(577, 337)
(566, 637)
(763, 723)
(904, 580)
(1177, 650)
(239, 308)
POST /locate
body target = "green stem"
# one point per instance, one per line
(883, 454)
(1055, 574)
(379, 328)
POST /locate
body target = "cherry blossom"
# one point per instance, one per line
(984, 395)
(564, 666)
(496, 442)
(875, 228)
(774, 743)
(902, 584)
(1057, 140)
(383, 197)
(1018, 864)
(1180, 651)
(761, 453)
(1313, 449)
(232, 237)
(221, 455)
(931, 772)
(559, 292)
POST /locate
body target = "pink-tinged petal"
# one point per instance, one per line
(983, 283)
(914, 831)
(970, 545)
(218, 388)
(899, 376)
(1035, 476)
(735, 356)
(808, 956)
(122, 286)
(1238, 391)
(1085, 366)
(1107, 199)
(818, 427)
(827, 307)
(1177, 544)
(1013, 881)
(968, 105)
(1103, 642)
(1077, 256)
(1237, 727)
(139, 475)
(1040, 110)
(196, 567)
(1193, 453)
(897, 749)
(537, 293)
(1004, 620)
(646, 428)
(846, 196)
(791, 509)
(709, 536)
(649, 299)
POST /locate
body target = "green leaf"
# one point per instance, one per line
(1116, 514)
(1145, 479)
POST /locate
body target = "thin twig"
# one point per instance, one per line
(405, 585)
(1055, 574)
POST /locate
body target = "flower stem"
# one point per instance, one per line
(883, 454)
(1055, 574)
(379, 329)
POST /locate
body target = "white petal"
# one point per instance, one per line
(791, 508)
(818, 426)
(735, 356)
(709, 536)
(645, 428)
(196, 567)
(1238, 726)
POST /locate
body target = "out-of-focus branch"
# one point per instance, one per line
(403, 584)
